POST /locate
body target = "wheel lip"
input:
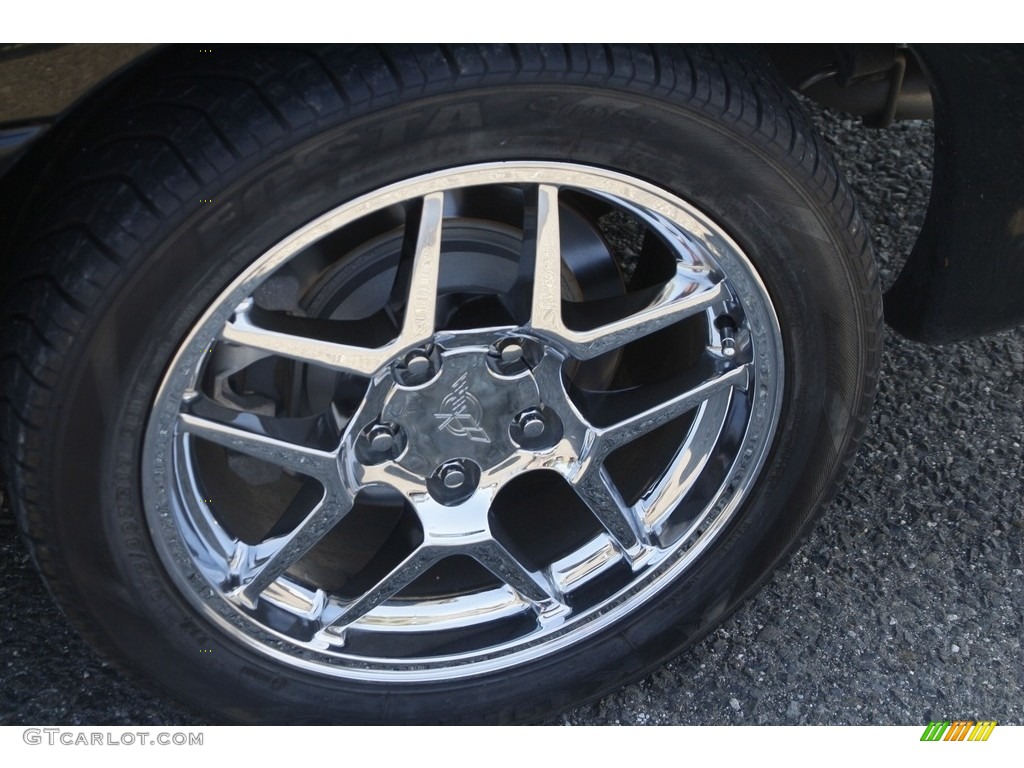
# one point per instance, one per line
(187, 363)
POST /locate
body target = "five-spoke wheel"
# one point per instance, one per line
(392, 477)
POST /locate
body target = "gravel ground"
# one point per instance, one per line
(905, 604)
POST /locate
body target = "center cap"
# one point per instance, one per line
(464, 412)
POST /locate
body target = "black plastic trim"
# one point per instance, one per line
(965, 276)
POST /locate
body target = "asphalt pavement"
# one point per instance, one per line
(906, 604)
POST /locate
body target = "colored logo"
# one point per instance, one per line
(958, 730)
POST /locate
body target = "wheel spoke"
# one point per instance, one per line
(610, 438)
(594, 486)
(418, 326)
(271, 558)
(320, 465)
(245, 329)
(600, 495)
(221, 541)
(680, 298)
(533, 586)
(687, 294)
(546, 309)
(401, 576)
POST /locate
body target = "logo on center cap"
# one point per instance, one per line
(462, 412)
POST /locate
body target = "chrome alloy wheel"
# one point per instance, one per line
(463, 421)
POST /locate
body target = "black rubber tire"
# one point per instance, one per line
(119, 254)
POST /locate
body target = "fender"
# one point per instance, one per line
(965, 276)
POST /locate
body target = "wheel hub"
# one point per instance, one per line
(464, 411)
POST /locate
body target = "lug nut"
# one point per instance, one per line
(511, 353)
(381, 437)
(380, 442)
(454, 481)
(418, 367)
(535, 429)
(512, 356)
(531, 421)
(452, 477)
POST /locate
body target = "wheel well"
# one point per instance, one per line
(44, 140)
(879, 82)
